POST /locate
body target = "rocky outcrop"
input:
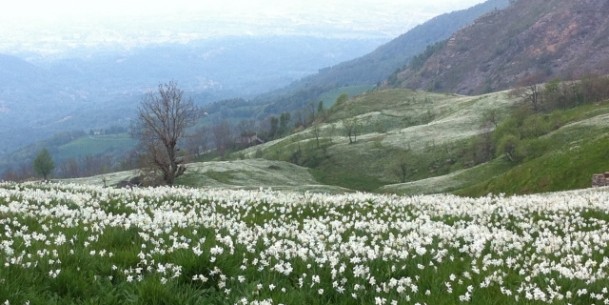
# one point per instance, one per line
(532, 40)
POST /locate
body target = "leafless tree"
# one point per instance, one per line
(316, 133)
(10, 175)
(69, 168)
(162, 120)
(351, 130)
(529, 91)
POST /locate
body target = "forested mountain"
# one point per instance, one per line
(532, 41)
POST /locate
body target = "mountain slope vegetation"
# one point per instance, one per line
(367, 71)
(412, 142)
(531, 41)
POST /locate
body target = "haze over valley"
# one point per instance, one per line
(82, 67)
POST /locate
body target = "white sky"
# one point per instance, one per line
(33, 9)
(45, 21)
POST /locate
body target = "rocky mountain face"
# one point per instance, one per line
(530, 41)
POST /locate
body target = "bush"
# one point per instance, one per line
(535, 126)
(511, 146)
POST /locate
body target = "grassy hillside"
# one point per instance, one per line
(426, 131)
(451, 182)
(241, 174)
(584, 152)
(115, 144)
(413, 142)
(565, 158)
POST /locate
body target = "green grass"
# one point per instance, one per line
(428, 131)
(94, 145)
(328, 98)
(347, 180)
(451, 182)
(564, 169)
(432, 134)
(398, 101)
(253, 174)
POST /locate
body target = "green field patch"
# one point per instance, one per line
(116, 144)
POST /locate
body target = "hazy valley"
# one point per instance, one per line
(94, 89)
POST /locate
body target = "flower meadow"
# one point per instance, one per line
(74, 244)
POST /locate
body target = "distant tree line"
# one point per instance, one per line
(85, 166)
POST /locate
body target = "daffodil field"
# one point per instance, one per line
(71, 244)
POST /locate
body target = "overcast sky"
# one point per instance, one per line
(31, 22)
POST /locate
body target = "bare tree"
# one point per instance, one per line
(70, 168)
(10, 175)
(162, 120)
(351, 130)
(316, 132)
(529, 91)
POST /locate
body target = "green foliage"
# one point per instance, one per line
(341, 99)
(43, 164)
(115, 144)
(418, 61)
(347, 179)
(511, 146)
(561, 169)
(329, 98)
(519, 136)
(284, 121)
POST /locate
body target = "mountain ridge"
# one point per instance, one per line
(375, 67)
(532, 41)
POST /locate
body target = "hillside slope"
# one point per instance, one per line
(425, 132)
(530, 41)
(370, 69)
(238, 174)
(413, 142)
